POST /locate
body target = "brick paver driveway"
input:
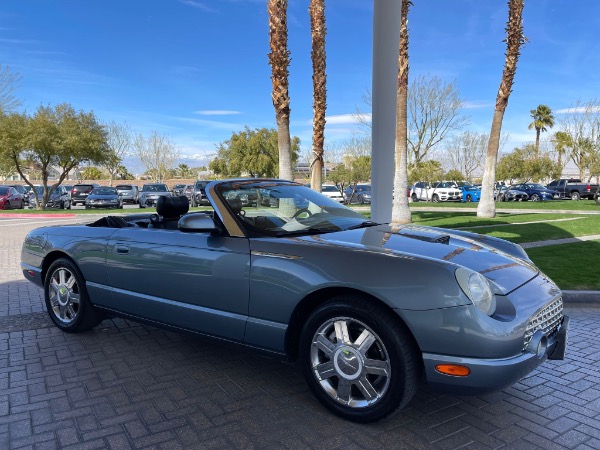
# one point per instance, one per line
(125, 385)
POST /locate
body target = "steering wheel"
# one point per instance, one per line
(302, 211)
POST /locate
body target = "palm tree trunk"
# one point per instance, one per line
(318, 32)
(279, 59)
(400, 209)
(514, 41)
(537, 143)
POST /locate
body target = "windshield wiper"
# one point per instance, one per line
(365, 224)
(310, 230)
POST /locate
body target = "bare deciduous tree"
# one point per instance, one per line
(157, 153)
(8, 82)
(434, 112)
(119, 142)
(581, 127)
(466, 152)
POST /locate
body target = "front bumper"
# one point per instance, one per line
(489, 375)
(101, 205)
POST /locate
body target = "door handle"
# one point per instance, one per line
(121, 249)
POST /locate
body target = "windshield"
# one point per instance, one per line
(329, 189)
(155, 188)
(124, 187)
(279, 208)
(104, 191)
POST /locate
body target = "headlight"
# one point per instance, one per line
(477, 288)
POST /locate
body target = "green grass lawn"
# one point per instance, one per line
(571, 266)
(554, 205)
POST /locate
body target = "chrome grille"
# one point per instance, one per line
(547, 320)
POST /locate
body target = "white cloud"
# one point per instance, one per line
(198, 5)
(578, 109)
(217, 112)
(476, 105)
(345, 119)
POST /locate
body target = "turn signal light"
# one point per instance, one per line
(452, 369)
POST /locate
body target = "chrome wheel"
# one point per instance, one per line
(64, 295)
(350, 362)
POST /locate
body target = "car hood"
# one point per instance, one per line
(494, 258)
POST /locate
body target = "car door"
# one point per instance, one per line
(189, 280)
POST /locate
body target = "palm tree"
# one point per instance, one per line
(514, 40)
(400, 209)
(542, 120)
(318, 32)
(279, 59)
(562, 143)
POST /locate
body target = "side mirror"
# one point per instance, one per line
(197, 223)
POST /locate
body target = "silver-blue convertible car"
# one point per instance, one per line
(368, 310)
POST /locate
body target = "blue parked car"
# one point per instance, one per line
(471, 193)
(537, 192)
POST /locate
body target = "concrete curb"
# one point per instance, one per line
(35, 216)
(590, 297)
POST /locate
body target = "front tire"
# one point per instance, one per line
(358, 360)
(67, 299)
(435, 198)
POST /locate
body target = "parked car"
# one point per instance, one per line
(23, 191)
(536, 192)
(59, 198)
(151, 192)
(10, 198)
(199, 195)
(471, 193)
(331, 191)
(573, 188)
(361, 194)
(440, 191)
(462, 312)
(508, 194)
(129, 193)
(178, 189)
(104, 197)
(188, 191)
(80, 192)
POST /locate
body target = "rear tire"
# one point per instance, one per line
(414, 198)
(67, 300)
(575, 196)
(469, 199)
(358, 360)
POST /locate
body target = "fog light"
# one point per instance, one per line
(453, 369)
(538, 344)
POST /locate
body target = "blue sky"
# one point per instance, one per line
(197, 70)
